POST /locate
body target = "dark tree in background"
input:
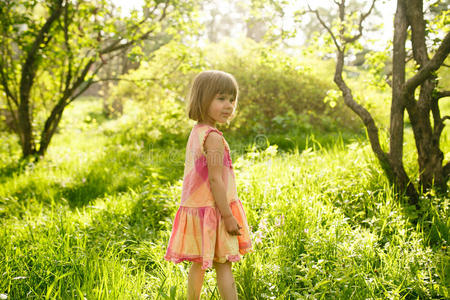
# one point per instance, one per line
(52, 51)
(418, 95)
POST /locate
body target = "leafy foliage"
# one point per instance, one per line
(278, 92)
(53, 51)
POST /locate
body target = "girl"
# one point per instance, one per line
(210, 228)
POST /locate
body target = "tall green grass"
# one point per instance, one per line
(92, 220)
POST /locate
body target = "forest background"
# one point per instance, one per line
(89, 215)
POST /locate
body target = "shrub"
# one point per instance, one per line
(279, 93)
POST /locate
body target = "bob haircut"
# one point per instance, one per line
(206, 86)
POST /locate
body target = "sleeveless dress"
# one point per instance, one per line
(199, 233)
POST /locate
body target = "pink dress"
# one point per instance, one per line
(198, 232)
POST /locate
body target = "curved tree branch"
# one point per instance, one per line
(118, 45)
(364, 115)
(446, 170)
(442, 94)
(438, 121)
(431, 66)
(4, 82)
(390, 162)
(322, 22)
(360, 27)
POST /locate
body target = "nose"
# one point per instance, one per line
(230, 107)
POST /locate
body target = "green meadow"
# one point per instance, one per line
(106, 82)
(91, 220)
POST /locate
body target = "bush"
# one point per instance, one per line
(156, 92)
(279, 93)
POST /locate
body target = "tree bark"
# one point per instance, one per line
(26, 82)
(430, 157)
(365, 116)
(403, 183)
(50, 127)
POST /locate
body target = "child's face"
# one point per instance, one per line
(221, 108)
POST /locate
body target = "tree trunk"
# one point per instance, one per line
(27, 79)
(430, 157)
(50, 127)
(403, 183)
(391, 162)
(25, 130)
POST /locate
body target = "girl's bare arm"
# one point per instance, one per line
(215, 149)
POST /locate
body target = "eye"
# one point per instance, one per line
(226, 98)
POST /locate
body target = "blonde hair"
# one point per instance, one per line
(205, 87)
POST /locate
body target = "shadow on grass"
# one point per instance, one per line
(9, 169)
(128, 232)
(16, 167)
(118, 170)
(123, 168)
(290, 141)
(370, 208)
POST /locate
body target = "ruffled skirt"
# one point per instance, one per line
(199, 235)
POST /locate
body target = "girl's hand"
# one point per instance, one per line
(231, 225)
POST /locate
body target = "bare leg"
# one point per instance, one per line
(195, 281)
(225, 281)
